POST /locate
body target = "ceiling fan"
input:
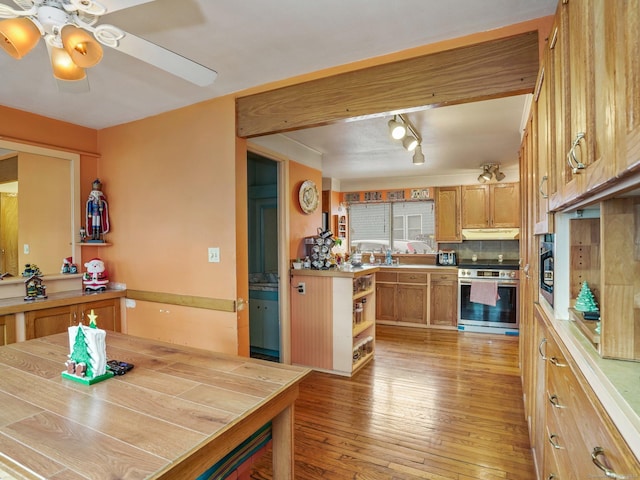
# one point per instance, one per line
(66, 26)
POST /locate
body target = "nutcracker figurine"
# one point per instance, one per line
(97, 213)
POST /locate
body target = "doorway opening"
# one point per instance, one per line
(262, 248)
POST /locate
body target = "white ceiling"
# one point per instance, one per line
(253, 42)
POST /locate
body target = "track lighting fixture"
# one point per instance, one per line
(400, 128)
(490, 171)
(397, 130)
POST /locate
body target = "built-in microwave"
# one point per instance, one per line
(546, 267)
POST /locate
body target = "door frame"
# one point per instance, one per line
(284, 207)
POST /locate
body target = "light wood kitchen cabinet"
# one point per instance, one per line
(586, 31)
(622, 31)
(426, 298)
(448, 222)
(39, 323)
(401, 297)
(491, 206)
(443, 300)
(7, 329)
(581, 437)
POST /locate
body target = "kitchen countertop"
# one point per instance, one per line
(335, 272)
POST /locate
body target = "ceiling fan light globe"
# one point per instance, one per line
(410, 143)
(63, 66)
(397, 130)
(83, 49)
(18, 36)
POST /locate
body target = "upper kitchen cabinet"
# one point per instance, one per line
(585, 86)
(448, 214)
(495, 205)
(625, 17)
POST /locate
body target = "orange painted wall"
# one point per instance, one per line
(38, 130)
(302, 224)
(171, 185)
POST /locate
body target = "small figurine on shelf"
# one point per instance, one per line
(97, 214)
(68, 266)
(83, 235)
(95, 279)
(34, 288)
(585, 301)
(31, 269)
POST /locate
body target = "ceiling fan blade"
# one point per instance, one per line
(24, 4)
(115, 5)
(166, 60)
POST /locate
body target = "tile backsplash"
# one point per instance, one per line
(484, 249)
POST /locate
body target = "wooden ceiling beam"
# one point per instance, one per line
(493, 69)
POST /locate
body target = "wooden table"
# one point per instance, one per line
(174, 415)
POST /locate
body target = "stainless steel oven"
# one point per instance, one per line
(495, 308)
(546, 267)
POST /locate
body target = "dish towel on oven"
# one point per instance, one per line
(485, 292)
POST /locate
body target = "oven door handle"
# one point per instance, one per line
(501, 283)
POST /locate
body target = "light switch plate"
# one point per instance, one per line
(214, 255)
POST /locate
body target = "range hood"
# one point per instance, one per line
(490, 233)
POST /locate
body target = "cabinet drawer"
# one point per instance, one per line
(444, 277)
(412, 278)
(391, 277)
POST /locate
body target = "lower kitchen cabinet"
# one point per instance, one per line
(264, 324)
(443, 300)
(407, 297)
(7, 329)
(577, 437)
(40, 323)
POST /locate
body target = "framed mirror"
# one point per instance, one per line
(39, 208)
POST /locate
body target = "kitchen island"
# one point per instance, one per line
(333, 318)
(174, 415)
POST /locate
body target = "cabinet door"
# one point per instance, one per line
(271, 328)
(256, 322)
(107, 313)
(7, 329)
(386, 301)
(625, 17)
(411, 303)
(448, 214)
(475, 206)
(40, 323)
(504, 205)
(443, 300)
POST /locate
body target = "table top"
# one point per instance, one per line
(176, 413)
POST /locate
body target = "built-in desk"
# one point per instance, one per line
(174, 415)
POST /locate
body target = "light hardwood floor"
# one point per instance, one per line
(433, 404)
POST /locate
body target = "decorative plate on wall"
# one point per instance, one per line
(308, 196)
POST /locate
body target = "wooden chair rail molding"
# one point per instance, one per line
(492, 69)
(183, 300)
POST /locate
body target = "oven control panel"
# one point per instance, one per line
(488, 274)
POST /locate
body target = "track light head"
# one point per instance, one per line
(397, 130)
(410, 143)
(491, 171)
(418, 156)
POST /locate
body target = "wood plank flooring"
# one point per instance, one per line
(433, 404)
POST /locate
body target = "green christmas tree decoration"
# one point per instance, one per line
(80, 352)
(585, 301)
